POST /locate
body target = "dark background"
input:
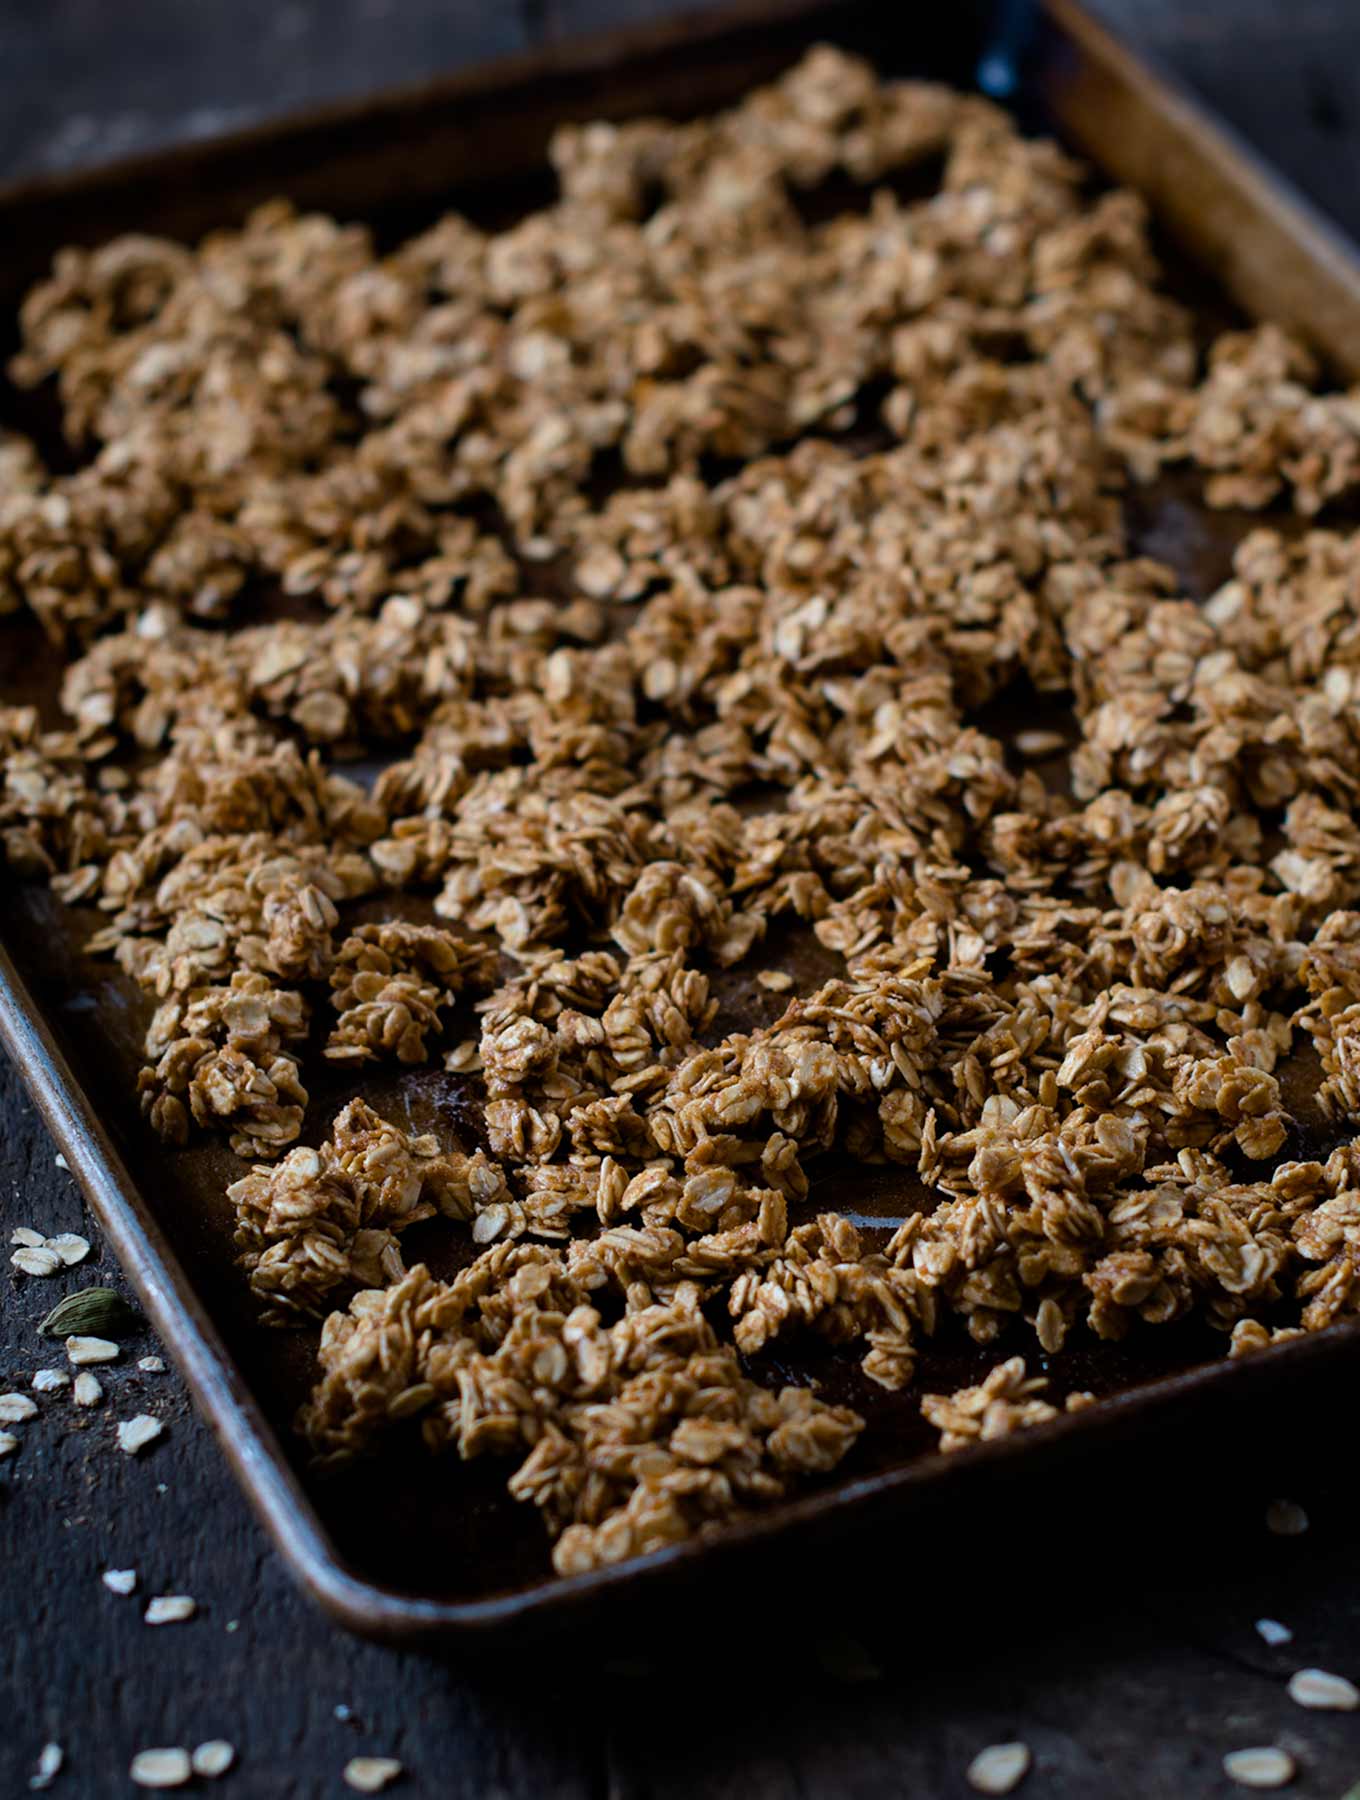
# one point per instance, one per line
(1107, 1619)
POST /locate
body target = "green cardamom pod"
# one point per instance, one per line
(94, 1312)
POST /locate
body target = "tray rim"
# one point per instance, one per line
(249, 1443)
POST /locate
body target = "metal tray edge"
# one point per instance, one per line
(1278, 255)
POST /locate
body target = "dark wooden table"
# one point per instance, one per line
(1109, 1621)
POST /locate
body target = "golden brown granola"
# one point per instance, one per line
(761, 713)
(389, 984)
(1006, 1400)
(324, 1220)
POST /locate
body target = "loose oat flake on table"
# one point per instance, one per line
(999, 1769)
(1262, 1767)
(136, 1433)
(779, 758)
(161, 1768)
(50, 1760)
(213, 1758)
(371, 1774)
(170, 1609)
(1323, 1691)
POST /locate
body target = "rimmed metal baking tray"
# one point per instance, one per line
(411, 1547)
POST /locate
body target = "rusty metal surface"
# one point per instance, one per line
(415, 1546)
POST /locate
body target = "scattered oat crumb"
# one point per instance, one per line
(1264, 1767)
(15, 1408)
(1273, 1632)
(86, 1390)
(1286, 1518)
(170, 1609)
(49, 1381)
(213, 1758)
(70, 1247)
(151, 1365)
(233, 1625)
(344, 1713)
(161, 1768)
(1323, 1692)
(50, 1759)
(61, 1161)
(136, 1434)
(40, 1261)
(83, 1350)
(999, 1768)
(27, 1238)
(119, 1581)
(1039, 743)
(371, 1774)
(8, 1443)
(778, 981)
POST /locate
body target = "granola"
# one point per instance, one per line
(711, 707)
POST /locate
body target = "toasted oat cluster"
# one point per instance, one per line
(631, 1435)
(776, 760)
(1005, 1400)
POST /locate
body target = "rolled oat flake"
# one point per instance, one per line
(1261, 1767)
(371, 1774)
(69, 1246)
(213, 1758)
(136, 1434)
(38, 1261)
(1273, 1632)
(999, 1768)
(50, 1759)
(161, 1768)
(1323, 1692)
(169, 1609)
(85, 1389)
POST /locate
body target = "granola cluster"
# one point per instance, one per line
(631, 1435)
(1007, 1399)
(769, 755)
(321, 1222)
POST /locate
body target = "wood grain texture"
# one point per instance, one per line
(1109, 1625)
(86, 80)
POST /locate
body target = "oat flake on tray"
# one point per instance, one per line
(678, 565)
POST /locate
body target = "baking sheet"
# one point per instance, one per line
(410, 1544)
